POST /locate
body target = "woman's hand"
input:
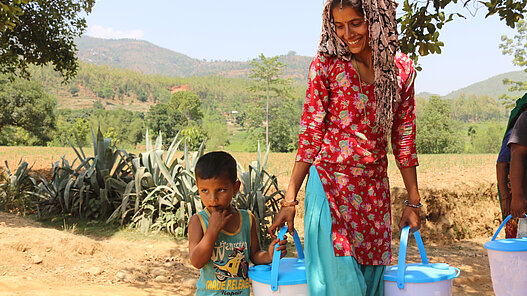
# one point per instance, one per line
(286, 215)
(518, 207)
(506, 206)
(410, 217)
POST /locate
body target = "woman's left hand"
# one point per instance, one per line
(410, 217)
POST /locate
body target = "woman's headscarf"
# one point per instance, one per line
(516, 111)
(380, 15)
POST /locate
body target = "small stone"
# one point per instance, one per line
(170, 264)
(189, 283)
(48, 249)
(124, 276)
(37, 260)
(2, 224)
(94, 271)
(161, 278)
(157, 272)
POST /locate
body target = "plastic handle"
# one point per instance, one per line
(401, 264)
(501, 226)
(275, 266)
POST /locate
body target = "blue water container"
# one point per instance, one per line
(286, 276)
(508, 263)
(418, 279)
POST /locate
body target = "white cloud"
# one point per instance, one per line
(110, 33)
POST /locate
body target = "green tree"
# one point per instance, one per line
(267, 72)
(24, 104)
(187, 103)
(435, 129)
(41, 32)
(487, 138)
(421, 21)
(162, 119)
(515, 47)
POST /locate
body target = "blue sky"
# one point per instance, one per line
(238, 30)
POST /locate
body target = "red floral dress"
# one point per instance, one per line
(337, 136)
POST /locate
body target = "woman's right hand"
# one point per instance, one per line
(286, 215)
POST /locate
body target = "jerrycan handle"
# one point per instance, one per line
(401, 264)
(275, 266)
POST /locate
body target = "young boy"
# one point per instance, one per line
(222, 238)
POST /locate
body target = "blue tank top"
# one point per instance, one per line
(226, 273)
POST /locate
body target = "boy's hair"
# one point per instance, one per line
(216, 164)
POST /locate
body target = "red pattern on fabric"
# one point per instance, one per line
(337, 136)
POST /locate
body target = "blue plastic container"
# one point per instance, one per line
(508, 263)
(418, 278)
(286, 276)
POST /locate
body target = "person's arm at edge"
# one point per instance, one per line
(502, 170)
(517, 171)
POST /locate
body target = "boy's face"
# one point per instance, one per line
(217, 193)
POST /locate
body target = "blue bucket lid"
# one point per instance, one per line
(508, 245)
(292, 271)
(422, 273)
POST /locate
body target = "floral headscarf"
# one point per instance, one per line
(382, 26)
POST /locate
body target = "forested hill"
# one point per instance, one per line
(151, 59)
(492, 87)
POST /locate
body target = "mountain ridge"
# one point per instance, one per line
(148, 58)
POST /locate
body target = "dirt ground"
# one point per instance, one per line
(459, 216)
(41, 261)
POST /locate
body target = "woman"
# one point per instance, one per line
(360, 91)
(502, 170)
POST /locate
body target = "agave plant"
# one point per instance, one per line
(163, 195)
(100, 180)
(50, 193)
(259, 193)
(16, 188)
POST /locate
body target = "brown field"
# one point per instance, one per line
(460, 214)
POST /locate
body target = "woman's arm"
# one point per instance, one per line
(311, 137)
(518, 203)
(502, 172)
(286, 215)
(410, 216)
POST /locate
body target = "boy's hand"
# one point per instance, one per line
(218, 219)
(281, 247)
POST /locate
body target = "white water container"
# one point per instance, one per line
(508, 264)
(418, 279)
(285, 277)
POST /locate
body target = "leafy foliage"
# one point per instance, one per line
(41, 32)
(422, 21)
(515, 46)
(260, 194)
(16, 188)
(435, 129)
(24, 104)
(163, 193)
(268, 72)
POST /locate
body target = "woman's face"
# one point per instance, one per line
(352, 29)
